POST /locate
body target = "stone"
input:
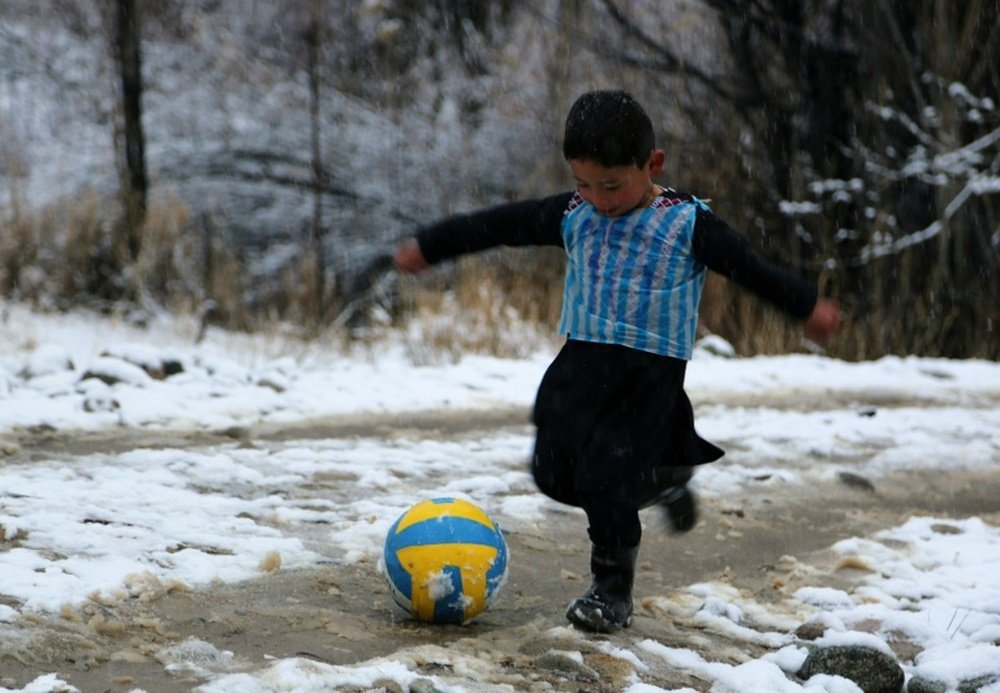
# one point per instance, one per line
(563, 662)
(810, 630)
(872, 670)
(921, 684)
(423, 686)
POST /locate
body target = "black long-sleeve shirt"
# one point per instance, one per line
(538, 222)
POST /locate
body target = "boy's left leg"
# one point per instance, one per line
(615, 533)
(607, 605)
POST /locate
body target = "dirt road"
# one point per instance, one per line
(762, 544)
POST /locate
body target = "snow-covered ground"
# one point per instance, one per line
(113, 525)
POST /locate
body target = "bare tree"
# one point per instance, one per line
(868, 135)
(314, 42)
(931, 149)
(135, 189)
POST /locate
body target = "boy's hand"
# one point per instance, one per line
(408, 258)
(824, 321)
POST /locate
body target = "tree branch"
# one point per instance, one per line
(667, 60)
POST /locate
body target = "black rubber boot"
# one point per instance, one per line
(607, 605)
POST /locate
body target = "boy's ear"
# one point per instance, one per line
(656, 161)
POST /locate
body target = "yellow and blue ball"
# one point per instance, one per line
(445, 560)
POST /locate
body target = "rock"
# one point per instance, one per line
(275, 381)
(565, 663)
(973, 685)
(558, 641)
(47, 359)
(810, 630)
(938, 373)
(423, 686)
(872, 670)
(113, 371)
(172, 367)
(904, 649)
(156, 365)
(389, 686)
(100, 403)
(921, 684)
(941, 528)
(237, 432)
(856, 481)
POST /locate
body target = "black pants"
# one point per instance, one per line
(614, 430)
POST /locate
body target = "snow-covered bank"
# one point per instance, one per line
(55, 369)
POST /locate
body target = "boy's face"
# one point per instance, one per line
(616, 190)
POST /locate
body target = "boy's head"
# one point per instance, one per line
(609, 128)
(609, 147)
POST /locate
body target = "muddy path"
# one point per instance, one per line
(764, 542)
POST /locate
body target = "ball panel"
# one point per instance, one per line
(445, 530)
(497, 574)
(448, 578)
(436, 508)
(403, 601)
(449, 608)
(398, 577)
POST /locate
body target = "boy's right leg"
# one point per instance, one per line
(677, 502)
(552, 466)
(680, 507)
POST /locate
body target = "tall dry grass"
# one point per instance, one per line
(481, 304)
(503, 303)
(68, 254)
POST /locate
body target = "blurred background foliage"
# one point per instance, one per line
(256, 160)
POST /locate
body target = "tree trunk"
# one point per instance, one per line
(128, 52)
(313, 41)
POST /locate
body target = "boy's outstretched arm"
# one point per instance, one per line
(530, 222)
(726, 252)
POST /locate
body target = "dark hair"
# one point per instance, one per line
(608, 127)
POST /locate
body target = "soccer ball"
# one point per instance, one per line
(445, 560)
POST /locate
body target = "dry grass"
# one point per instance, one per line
(69, 254)
(508, 303)
(55, 255)
(503, 303)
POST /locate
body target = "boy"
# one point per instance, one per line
(614, 427)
